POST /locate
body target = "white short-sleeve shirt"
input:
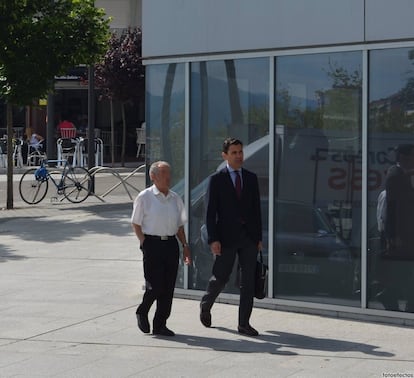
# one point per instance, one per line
(158, 214)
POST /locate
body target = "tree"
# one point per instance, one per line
(121, 76)
(41, 39)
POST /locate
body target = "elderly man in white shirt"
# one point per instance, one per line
(158, 219)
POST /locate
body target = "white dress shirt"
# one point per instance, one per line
(158, 214)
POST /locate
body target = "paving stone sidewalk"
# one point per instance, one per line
(70, 280)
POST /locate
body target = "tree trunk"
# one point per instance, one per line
(123, 134)
(9, 156)
(112, 133)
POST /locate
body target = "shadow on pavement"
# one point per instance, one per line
(107, 210)
(109, 219)
(238, 346)
(267, 343)
(57, 230)
(6, 254)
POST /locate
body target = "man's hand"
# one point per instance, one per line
(259, 246)
(187, 255)
(216, 248)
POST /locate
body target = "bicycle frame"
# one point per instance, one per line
(58, 185)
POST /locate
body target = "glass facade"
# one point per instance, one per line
(318, 176)
(165, 116)
(228, 98)
(391, 235)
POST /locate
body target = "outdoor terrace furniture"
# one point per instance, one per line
(67, 133)
(17, 156)
(69, 149)
(35, 155)
(141, 138)
(3, 153)
(17, 153)
(83, 152)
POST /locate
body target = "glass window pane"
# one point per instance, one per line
(318, 178)
(165, 102)
(228, 98)
(391, 233)
(165, 116)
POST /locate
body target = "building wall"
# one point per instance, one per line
(320, 92)
(205, 27)
(387, 20)
(124, 13)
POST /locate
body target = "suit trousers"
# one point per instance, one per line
(160, 272)
(246, 250)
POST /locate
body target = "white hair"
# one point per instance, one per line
(156, 165)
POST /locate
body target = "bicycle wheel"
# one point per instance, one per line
(77, 184)
(32, 190)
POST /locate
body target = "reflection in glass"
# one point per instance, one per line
(228, 98)
(165, 116)
(165, 102)
(391, 232)
(318, 178)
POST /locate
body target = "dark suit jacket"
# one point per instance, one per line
(399, 220)
(226, 213)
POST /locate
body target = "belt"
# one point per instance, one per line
(156, 237)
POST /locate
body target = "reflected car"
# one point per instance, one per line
(310, 257)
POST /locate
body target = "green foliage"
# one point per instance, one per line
(40, 39)
(339, 106)
(121, 74)
(259, 116)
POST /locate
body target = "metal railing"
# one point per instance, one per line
(122, 180)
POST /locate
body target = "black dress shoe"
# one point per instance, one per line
(247, 330)
(143, 323)
(205, 318)
(164, 331)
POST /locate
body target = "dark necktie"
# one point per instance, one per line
(238, 185)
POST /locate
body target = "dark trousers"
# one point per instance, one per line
(160, 272)
(397, 279)
(246, 250)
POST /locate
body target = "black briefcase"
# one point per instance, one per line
(262, 270)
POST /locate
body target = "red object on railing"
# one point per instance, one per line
(68, 133)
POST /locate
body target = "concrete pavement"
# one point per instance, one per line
(71, 278)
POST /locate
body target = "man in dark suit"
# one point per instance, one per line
(397, 260)
(234, 227)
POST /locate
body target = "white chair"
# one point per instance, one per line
(35, 154)
(35, 158)
(83, 150)
(68, 149)
(141, 139)
(17, 156)
(3, 153)
(17, 153)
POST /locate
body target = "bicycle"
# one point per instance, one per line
(75, 183)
